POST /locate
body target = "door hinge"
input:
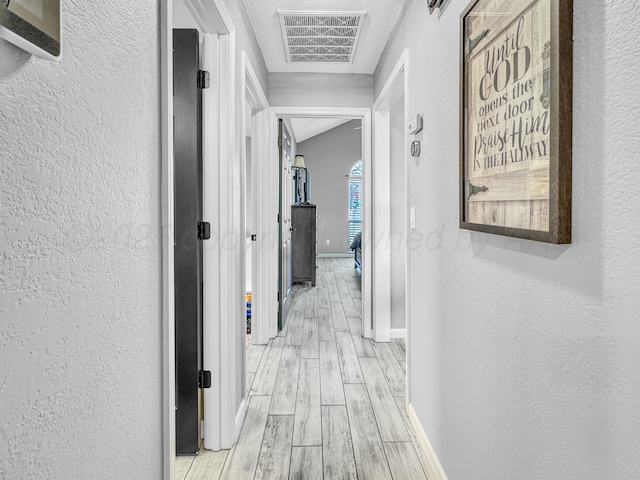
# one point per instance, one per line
(279, 141)
(254, 237)
(204, 379)
(278, 218)
(204, 79)
(204, 230)
(278, 297)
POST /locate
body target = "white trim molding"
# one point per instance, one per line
(168, 289)
(434, 467)
(212, 16)
(399, 333)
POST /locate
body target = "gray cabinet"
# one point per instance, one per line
(303, 243)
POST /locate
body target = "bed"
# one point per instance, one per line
(356, 246)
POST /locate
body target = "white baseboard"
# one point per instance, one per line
(399, 333)
(436, 472)
(242, 411)
(335, 255)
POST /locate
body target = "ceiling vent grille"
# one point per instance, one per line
(321, 36)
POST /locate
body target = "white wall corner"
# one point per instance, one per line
(434, 467)
(240, 416)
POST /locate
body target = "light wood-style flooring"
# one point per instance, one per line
(324, 403)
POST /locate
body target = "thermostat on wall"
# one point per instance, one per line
(415, 124)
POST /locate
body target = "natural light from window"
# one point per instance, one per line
(355, 200)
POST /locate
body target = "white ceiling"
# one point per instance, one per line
(305, 128)
(379, 21)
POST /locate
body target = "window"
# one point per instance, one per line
(355, 200)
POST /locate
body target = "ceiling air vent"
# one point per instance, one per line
(321, 36)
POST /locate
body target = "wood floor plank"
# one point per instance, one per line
(182, 466)
(325, 325)
(207, 464)
(363, 346)
(349, 364)
(307, 428)
(310, 347)
(396, 378)
(354, 291)
(311, 308)
(254, 355)
(350, 309)
(338, 459)
(334, 294)
(348, 275)
(339, 318)
(306, 463)
(391, 426)
(332, 391)
(399, 349)
(265, 378)
(294, 331)
(401, 402)
(243, 458)
(355, 325)
(275, 454)
(368, 451)
(323, 298)
(250, 377)
(285, 321)
(358, 305)
(284, 393)
(403, 461)
(403, 366)
(299, 300)
(342, 285)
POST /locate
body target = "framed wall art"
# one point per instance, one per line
(33, 25)
(516, 118)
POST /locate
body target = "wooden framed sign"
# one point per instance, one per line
(516, 109)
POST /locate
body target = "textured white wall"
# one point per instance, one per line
(527, 353)
(80, 282)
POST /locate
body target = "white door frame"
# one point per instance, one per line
(398, 78)
(215, 23)
(254, 95)
(364, 114)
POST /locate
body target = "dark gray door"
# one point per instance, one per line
(187, 107)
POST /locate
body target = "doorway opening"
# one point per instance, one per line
(392, 212)
(327, 195)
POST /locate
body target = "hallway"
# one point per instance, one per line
(323, 401)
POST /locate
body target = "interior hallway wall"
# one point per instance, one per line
(81, 250)
(527, 352)
(329, 157)
(320, 90)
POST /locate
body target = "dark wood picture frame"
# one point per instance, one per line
(35, 26)
(516, 74)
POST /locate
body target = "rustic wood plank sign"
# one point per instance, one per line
(516, 118)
